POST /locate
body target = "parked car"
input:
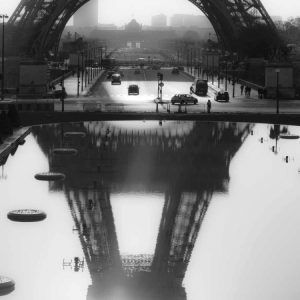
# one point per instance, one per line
(184, 99)
(155, 67)
(222, 96)
(133, 89)
(175, 71)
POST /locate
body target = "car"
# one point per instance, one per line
(222, 96)
(184, 99)
(133, 89)
(137, 71)
(175, 71)
(155, 67)
(116, 78)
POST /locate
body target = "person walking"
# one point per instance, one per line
(242, 89)
(208, 106)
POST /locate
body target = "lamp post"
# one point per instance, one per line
(277, 90)
(2, 78)
(82, 70)
(207, 64)
(78, 73)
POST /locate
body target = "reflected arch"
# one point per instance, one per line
(40, 23)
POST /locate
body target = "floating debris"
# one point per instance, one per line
(75, 134)
(65, 151)
(7, 285)
(50, 176)
(26, 215)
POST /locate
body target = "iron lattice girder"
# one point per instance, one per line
(42, 22)
(230, 17)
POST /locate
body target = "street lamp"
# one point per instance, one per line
(277, 90)
(2, 77)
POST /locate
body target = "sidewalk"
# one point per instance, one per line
(70, 84)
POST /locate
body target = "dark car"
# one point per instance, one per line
(58, 94)
(222, 96)
(116, 78)
(175, 71)
(184, 99)
(155, 67)
(133, 89)
(181, 68)
(137, 71)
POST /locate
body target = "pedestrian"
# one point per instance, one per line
(242, 89)
(246, 91)
(249, 92)
(208, 106)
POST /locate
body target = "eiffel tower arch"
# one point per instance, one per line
(36, 25)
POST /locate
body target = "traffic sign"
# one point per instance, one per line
(161, 84)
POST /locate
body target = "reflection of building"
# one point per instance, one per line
(87, 15)
(191, 163)
(159, 21)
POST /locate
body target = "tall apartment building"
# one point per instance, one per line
(87, 15)
(159, 21)
(183, 20)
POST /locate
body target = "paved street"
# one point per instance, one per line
(107, 97)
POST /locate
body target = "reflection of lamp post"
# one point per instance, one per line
(226, 74)
(213, 67)
(277, 90)
(2, 79)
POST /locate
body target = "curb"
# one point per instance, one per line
(11, 143)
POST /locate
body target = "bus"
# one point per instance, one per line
(200, 87)
(109, 63)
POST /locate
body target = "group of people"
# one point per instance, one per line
(247, 90)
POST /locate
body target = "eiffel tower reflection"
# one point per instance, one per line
(191, 163)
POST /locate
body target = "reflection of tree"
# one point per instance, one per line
(187, 166)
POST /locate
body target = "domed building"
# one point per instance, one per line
(133, 26)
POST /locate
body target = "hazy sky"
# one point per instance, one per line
(121, 11)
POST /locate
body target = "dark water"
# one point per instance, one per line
(186, 210)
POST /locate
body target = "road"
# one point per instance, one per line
(108, 97)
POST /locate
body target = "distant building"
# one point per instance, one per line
(87, 15)
(183, 20)
(276, 19)
(107, 27)
(133, 26)
(159, 21)
(133, 36)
